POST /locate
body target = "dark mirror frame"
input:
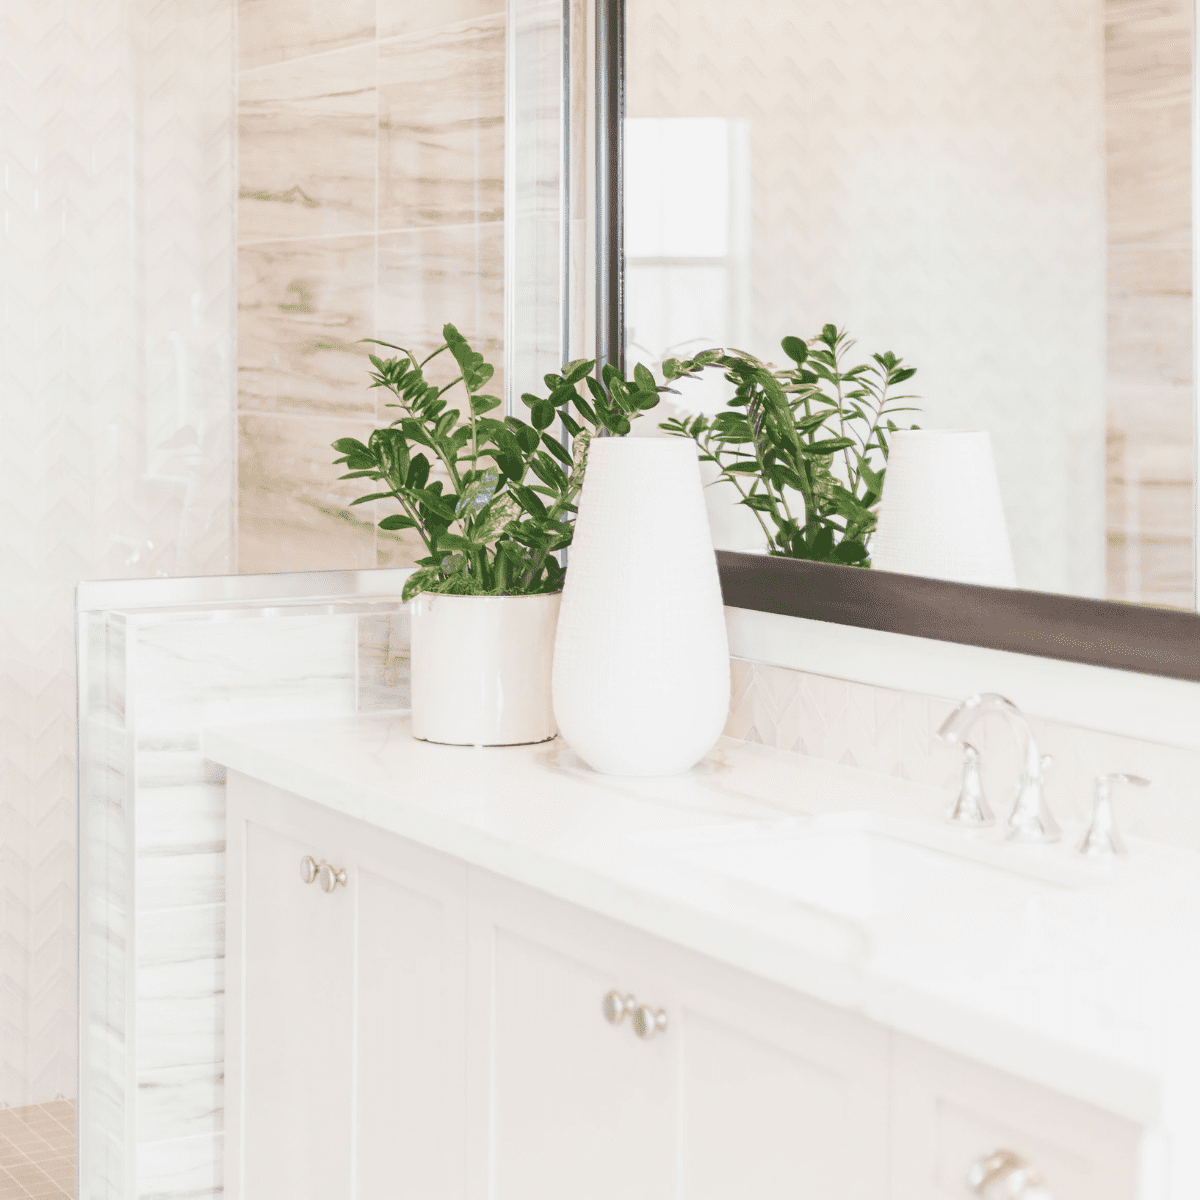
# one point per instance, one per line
(1106, 633)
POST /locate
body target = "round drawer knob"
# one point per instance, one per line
(649, 1021)
(308, 868)
(329, 877)
(615, 1007)
(1005, 1175)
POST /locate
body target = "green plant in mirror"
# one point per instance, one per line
(491, 499)
(806, 446)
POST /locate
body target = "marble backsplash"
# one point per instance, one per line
(892, 732)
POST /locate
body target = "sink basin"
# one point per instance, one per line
(861, 865)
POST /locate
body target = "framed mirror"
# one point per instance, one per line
(1001, 197)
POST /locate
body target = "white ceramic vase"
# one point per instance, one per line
(641, 662)
(941, 514)
(481, 669)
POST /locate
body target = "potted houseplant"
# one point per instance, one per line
(806, 446)
(493, 501)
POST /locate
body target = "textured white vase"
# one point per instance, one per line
(481, 669)
(941, 514)
(641, 661)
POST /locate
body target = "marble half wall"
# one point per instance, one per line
(159, 665)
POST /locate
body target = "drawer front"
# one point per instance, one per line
(949, 1113)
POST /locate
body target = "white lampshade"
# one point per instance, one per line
(941, 514)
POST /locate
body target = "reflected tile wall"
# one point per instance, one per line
(1148, 77)
(365, 211)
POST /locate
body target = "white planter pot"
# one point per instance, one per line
(481, 669)
(641, 663)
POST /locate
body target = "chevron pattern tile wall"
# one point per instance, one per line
(930, 175)
(116, 398)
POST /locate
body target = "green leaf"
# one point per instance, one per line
(475, 371)
(418, 581)
(397, 521)
(795, 349)
(482, 404)
(557, 449)
(759, 503)
(849, 552)
(528, 438)
(574, 371)
(372, 496)
(452, 541)
(547, 470)
(543, 414)
(644, 379)
(743, 468)
(829, 446)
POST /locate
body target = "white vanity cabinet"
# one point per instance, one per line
(345, 1056)
(429, 1030)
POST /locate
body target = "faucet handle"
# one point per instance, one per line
(1102, 839)
(971, 808)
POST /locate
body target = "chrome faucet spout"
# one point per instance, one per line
(1030, 819)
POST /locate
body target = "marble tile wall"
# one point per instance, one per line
(371, 204)
(151, 1103)
(892, 733)
(1148, 75)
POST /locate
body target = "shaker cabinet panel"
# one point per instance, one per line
(298, 1077)
(346, 1052)
(578, 1107)
(780, 1098)
(949, 1113)
(409, 1056)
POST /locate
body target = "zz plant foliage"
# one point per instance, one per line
(799, 443)
(491, 499)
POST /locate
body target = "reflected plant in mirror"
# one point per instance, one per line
(806, 446)
(505, 500)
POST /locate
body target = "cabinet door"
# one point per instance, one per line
(781, 1098)
(948, 1113)
(410, 1022)
(298, 972)
(571, 1105)
(346, 1010)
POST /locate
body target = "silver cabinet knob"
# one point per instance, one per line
(329, 877)
(649, 1021)
(616, 1007)
(308, 868)
(1005, 1175)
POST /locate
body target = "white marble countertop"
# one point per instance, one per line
(1090, 986)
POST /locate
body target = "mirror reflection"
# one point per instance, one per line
(998, 194)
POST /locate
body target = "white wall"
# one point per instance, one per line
(116, 406)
